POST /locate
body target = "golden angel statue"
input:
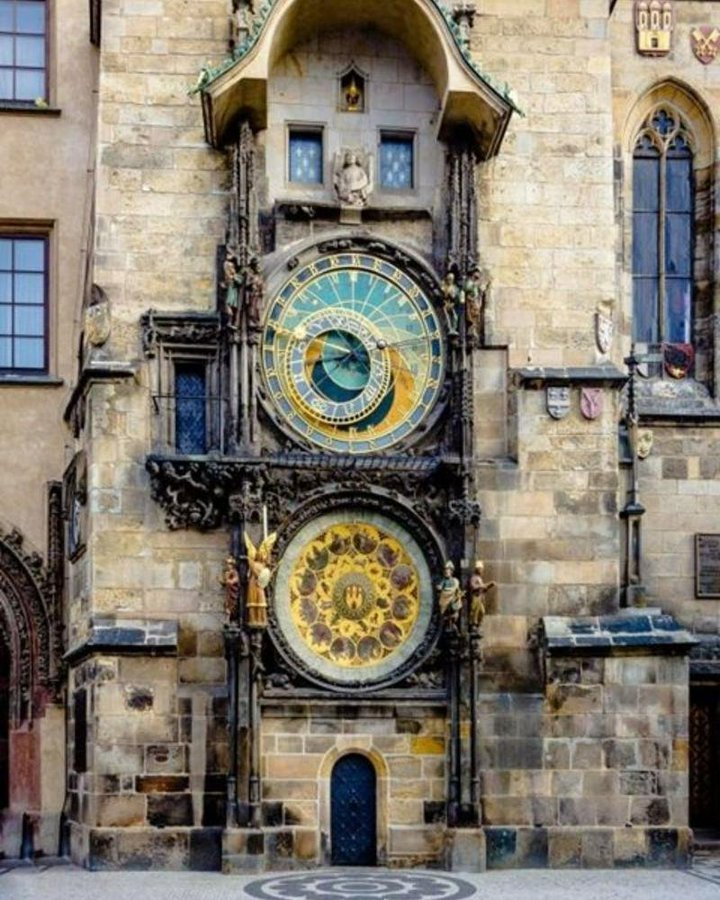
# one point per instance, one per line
(258, 579)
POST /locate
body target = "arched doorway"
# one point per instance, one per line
(353, 811)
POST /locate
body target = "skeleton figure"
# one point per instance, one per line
(450, 596)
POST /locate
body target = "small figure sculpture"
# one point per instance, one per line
(231, 284)
(475, 290)
(352, 183)
(258, 580)
(231, 582)
(478, 588)
(254, 293)
(450, 596)
(644, 443)
(451, 298)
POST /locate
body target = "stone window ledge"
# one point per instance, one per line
(11, 380)
(29, 109)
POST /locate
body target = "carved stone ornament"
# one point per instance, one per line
(645, 440)
(558, 401)
(591, 402)
(705, 43)
(654, 22)
(96, 325)
(178, 328)
(604, 331)
(353, 176)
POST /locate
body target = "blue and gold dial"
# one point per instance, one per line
(352, 353)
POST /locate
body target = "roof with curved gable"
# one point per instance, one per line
(469, 98)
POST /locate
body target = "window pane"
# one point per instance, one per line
(678, 244)
(5, 254)
(678, 310)
(645, 311)
(29, 353)
(5, 287)
(29, 84)
(30, 255)
(6, 84)
(679, 185)
(31, 17)
(190, 429)
(29, 320)
(29, 289)
(6, 50)
(5, 319)
(6, 15)
(30, 51)
(645, 244)
(396, 162)
(646, 184)
(305, 158)
(5, 353)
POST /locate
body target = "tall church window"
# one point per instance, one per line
(23, 50)
(190, 408)
(662, 262)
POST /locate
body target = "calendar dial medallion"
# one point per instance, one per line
(352, 353)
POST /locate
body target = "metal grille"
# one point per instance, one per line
(704, 758)
(353, 812)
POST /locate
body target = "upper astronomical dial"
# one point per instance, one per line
(352, 353)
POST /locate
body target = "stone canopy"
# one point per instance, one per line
(468, 100)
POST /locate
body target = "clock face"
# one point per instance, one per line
(353, 596)
(352, 353)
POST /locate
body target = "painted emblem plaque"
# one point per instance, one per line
(353, 596)
(558, 401)
(707, 565)
(705, 43)
(591, 402)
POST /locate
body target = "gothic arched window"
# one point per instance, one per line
(663, 212)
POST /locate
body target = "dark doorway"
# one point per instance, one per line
(353, 812)
(4, 725)
(705, 757)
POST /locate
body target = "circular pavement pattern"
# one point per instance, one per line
(361, 886)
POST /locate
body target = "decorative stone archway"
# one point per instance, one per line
(34, 728)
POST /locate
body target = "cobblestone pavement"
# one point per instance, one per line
(702, 882)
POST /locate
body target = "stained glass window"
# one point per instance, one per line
(190, 408)
(662, 232)
(305, 157)
(22, 50)
(23, 266)
(396, 162)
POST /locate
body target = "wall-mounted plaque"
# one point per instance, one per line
(707, 565)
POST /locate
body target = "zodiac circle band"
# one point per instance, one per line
(361, 886)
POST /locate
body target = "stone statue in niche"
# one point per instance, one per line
(450, 596)
(258, 579)
(353, 177)
(231, 284)
(478, 588)
(451, 299)
(254, 293)
(230, 580)
(475, 289)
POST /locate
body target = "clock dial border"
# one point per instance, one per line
(296, 403)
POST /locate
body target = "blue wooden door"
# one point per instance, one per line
(353, 812)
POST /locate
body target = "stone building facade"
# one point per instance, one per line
(318, 299)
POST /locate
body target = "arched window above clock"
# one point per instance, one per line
(670, 144)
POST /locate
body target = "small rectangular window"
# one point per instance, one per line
(305, 156)
(397, 161)
(23, 50)
(23, 304)
(190, 408)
